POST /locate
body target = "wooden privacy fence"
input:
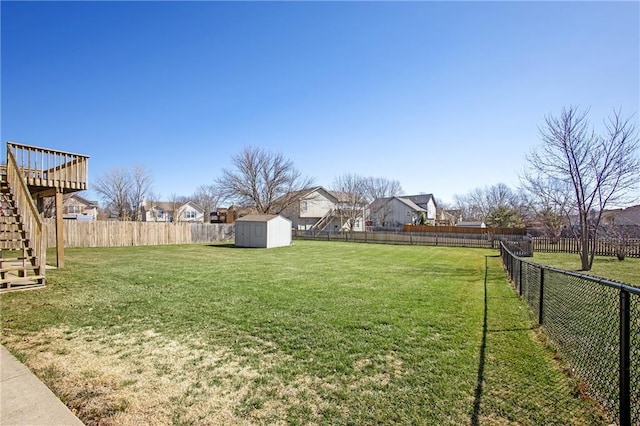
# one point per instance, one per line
(106, 233)
(570, 245)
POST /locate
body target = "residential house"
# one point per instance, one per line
(166, 211)
(622, 222)
(220, 215)
(394, 212)
(230, 214)
(318, 209)
(614, 223)
(76, 207)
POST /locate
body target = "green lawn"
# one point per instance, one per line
(314, 333)
(609, 267)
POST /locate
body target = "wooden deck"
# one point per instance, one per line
(46, 169)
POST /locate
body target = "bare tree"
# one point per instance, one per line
(47, 205)
(115, 189)
(351, 191)
(141, 181)
(552, 223)
(261, 177)
(549, 207)
(498, 205)
(207, 197)
(175, 202)
(151, 201)
(584, 171)
(379, 187)
(619, 236)
(123, 190)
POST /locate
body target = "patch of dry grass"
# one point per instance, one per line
(126, 379)
(134, 379)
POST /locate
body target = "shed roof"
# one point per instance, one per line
(471, 224)
(257, 218)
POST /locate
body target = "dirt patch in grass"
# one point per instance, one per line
(118, 379)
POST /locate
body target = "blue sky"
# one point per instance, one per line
(444, 97)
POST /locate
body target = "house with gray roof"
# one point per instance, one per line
(394, 212)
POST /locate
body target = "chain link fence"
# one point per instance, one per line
(595, 326)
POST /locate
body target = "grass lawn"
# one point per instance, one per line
(315, 333)
(609, 267)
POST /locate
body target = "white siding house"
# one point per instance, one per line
(265, 231)
(77, 207)
(190, 212)
(318, 209)
(166, 211)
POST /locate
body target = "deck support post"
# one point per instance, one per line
(59, 229)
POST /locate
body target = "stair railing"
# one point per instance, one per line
(28, 212)
(322, 223)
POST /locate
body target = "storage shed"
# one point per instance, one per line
(264, 230)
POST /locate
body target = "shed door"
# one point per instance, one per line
(243, 233)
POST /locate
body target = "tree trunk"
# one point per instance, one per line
(584, 242)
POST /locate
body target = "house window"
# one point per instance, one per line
(190, 214)
(303, 206)
(160, 213)
(73, 209)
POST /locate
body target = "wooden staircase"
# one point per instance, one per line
(323, 222)
(20, 265)
(33, 173)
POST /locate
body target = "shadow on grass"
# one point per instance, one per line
(223, 245)
(483, 345)
(477, 401)
(509, 330)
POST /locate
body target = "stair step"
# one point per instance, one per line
(12, 259)
(19, 269)
(16, 268)
(33, 279)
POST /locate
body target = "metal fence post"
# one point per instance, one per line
(541, 298)
(625, 374)
(520, 277)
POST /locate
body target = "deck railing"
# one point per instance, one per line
(28, 212)
(50, 168)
